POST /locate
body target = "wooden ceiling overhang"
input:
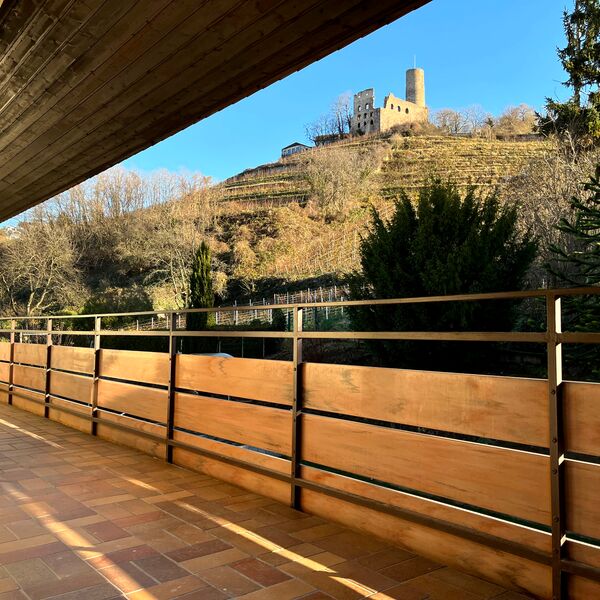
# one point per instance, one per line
(85, 84)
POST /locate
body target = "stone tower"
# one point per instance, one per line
(415, 86)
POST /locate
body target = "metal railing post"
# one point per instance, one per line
(296, 407)
(48, 367)
(13, 325)
(171, 388)
(94, 400)
(554, 358)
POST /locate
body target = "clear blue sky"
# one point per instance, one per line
(490, 52)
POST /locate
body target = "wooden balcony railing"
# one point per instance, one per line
(499, 476)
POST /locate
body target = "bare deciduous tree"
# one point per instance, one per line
(516, 120)
(340, 177)
(543, 191)
(336, 122)
(38, 267)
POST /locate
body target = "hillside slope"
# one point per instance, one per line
(285, 241)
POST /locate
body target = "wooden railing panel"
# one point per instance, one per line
(73, 387)
(141, 401)
(513, 532)
(504, 408)
(254, 379)
(4, 350)
(32, 402)
(154, 447)
(274, 463)
(581, 407)
(31, 354)
(582, 489)
(261, 426)
(498, 479)
(82, 423)
(4, 371)
(29, 377)
(145, 367)
(70, 358)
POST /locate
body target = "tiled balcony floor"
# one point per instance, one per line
(81, 518)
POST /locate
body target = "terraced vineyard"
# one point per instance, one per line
(410, 161)
(308, 248)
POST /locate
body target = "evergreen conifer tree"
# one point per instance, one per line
(445, 244)
(580, 115)
(200, 295)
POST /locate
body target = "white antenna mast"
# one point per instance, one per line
(415, 57)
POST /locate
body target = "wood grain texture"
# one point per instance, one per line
(260, 459)
(507, 481)
(505, 569)
(4, 371)
(503, 529)
(261, 426)
(148, 403)
(81, 423)
(74, 387)
(131, 438)
(4, 351)
(504, 408)
(582, 490)
(31, 354)
(581, 409)
(29, 377)
(268, 380)
(69, 358)
(254, 482)
(145, 367)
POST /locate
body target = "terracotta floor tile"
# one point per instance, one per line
(106, 531)
(408, 569)
(170, 589)
(31, 573)
(229, 581)
(258, 571)
(127, 577)
(196, 550)
(80, 515)
(161, 568)
(287, 590)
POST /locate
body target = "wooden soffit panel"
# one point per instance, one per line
(85, 84)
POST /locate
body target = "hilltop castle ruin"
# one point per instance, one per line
(395, 111)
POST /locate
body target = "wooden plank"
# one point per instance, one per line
(4, 371)
(29, 377)
(30, 401)
(504, 408)
(31, 354)
(81, 423)
(581, 588)
(4, 350)
(254, 482)
(252, 425)
(513, 532)
(70, 358)
(585, 553)
(268, 380)
(507, 481)
(581, 408)
(131, 438)
(141, 401)
(582, 494)
(68, 385)
(260, 459)
(145, 367)
(493, 565)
